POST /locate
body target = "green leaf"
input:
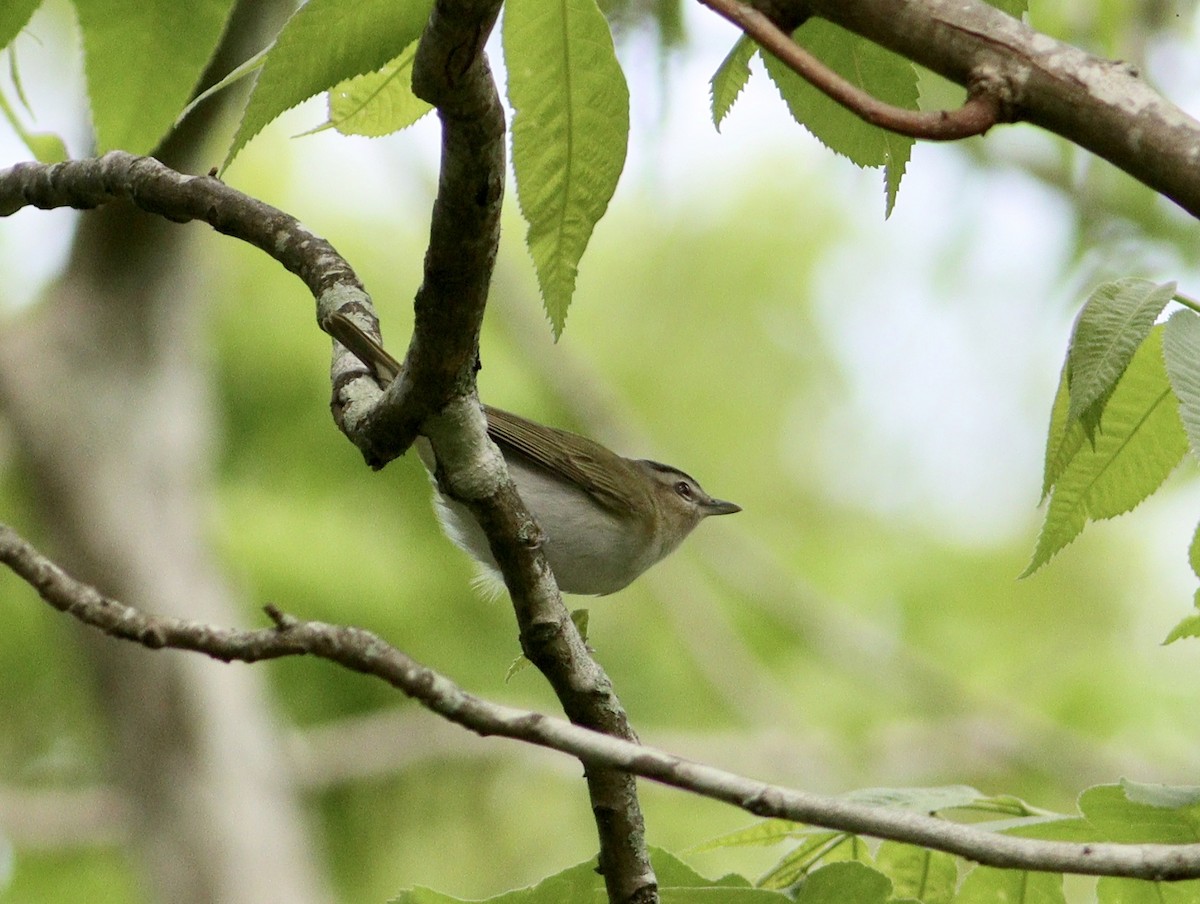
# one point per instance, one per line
(916, 872)
(517, 666)
(1142, 814)
(14, 15)
(1181, 350)
(1194, 552)
(1153, 794)
(765, 832)
(821, 845)
(674, 873)
(1015, 8)
(985, 885)
(142, 61)
(730, 78)
(522, 662)
(1136, 891)
(577, 883)
(46, 147)
(842, 883)
(379, 102)
(893, 172)
(1140, 442)
(1188, 627)
(235, 75)
(918, 800)
(885, 75)
(1113, 323)
(570, 130)
(322, 45)
(1063, 439)
(581, 884)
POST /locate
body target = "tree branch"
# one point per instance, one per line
(365, 652)
(451, 72)
(982, 110)
(158, 189)
(435, 389)
(1101, 105)
(379, 422)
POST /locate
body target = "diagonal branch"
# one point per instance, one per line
(365, 652)
(982, 109)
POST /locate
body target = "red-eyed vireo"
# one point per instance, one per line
(606, 518)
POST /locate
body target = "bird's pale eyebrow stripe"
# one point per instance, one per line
(668, 469)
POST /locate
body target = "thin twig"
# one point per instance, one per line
(979, 112)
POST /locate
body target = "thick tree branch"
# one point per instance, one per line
(982, 110)
(1101, 105)
(365, 652)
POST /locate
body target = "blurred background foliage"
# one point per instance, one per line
(873, 394)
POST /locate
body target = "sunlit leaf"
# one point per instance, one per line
(581, 884)
(822, 846)
(325, 43)
(1181, 350)
(764, 832)
(142, 61)
(919, 800)
(730, 78)
(839, 883)
(1139, 443)
(569, 133)
(46, 147)
(1015, 8)
(380, 102)
(918, 873)
(1063, 439)
(1138, 891)
(1169, 797)
(1152, 815)
(241, 71)
(14, 15)
(985, 885)
(881, 73)
(1188, 627)
(893, 173)
(1114, 321)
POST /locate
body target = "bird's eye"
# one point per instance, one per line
(684, 489)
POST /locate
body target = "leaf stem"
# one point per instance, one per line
(1187, 301)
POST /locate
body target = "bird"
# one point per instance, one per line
(606, 518)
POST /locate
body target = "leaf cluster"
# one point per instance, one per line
(821, 865)
(566, 88)
(1126, 412)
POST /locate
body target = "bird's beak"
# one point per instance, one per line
(720, 507)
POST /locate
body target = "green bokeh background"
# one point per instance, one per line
(811, 640)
